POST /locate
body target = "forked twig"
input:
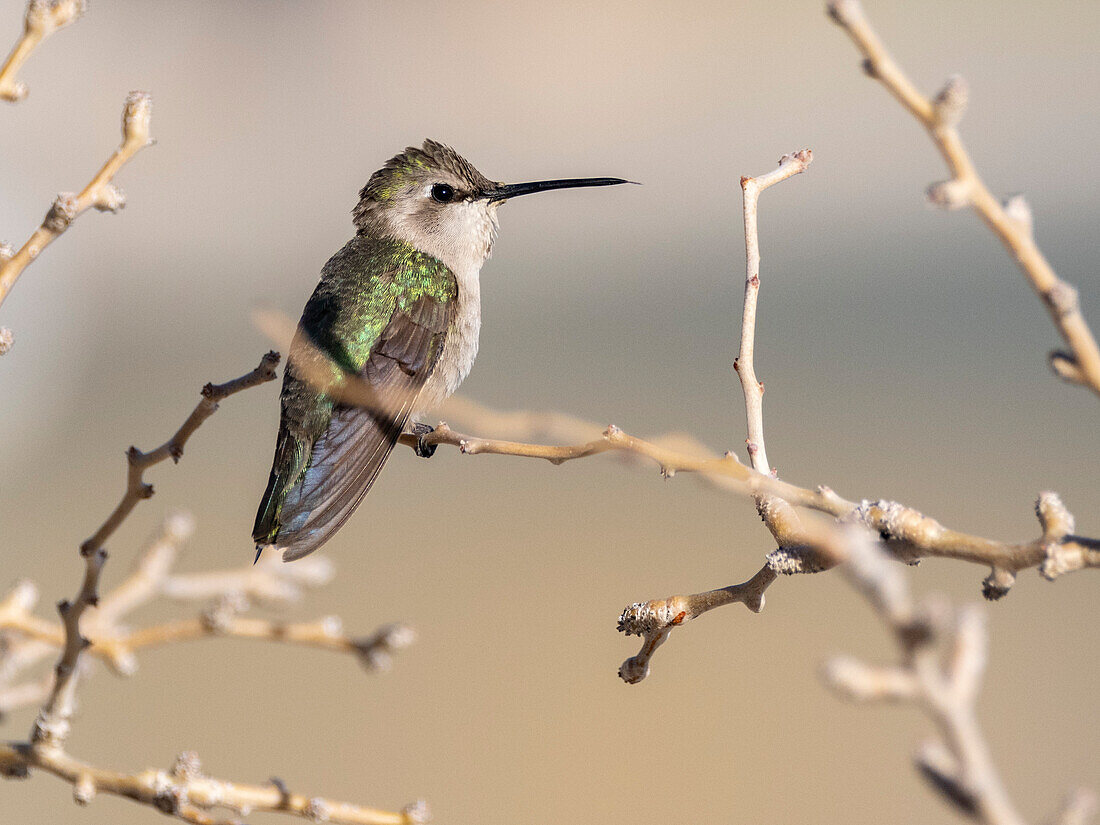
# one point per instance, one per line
(100, 193)
(136, 487)
(1011, 222)
(42, 19)
(183, 792)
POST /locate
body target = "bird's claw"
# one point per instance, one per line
(423, 449)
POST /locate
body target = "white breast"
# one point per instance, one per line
(460, 348)
(462, 238)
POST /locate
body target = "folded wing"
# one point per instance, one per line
(308, 502)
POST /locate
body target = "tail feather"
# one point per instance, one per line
(345, 462)
(291, 460)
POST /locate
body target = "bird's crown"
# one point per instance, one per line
(432, 160)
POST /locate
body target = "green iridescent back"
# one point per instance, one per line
(361, 287)
(370, 286)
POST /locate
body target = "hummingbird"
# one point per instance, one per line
(399, 309)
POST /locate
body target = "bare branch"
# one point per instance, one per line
(958, 765)
(187, 794)
(654, 620)
(1010, 222)
(100, 192)
(136, 487)
(51, 728)
(1078, 808)
(184, 792)
(789, 165)
(910, 535)
(28, 640)
(43, 18)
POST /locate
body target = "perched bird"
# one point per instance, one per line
(399, 307)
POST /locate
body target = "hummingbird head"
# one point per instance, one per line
(435, 199)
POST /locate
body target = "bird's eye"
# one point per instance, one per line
(442, 193)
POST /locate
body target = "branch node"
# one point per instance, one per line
(949, 194)
(1066, 367)
(136, 115)
(62, 212)
(1019, 210)
(376, 651)
(1055, 519)
(645, 618)
(283, 790)
(634, 669)
(47, 16)
(1062, 299)
(84, 789)
(997, 584)
(417, 813)
(790, 560)
(950, 103)
(844, 12)
(317, 810)
(168, 796)
(941, 769)
(109, 198)
(218, 618)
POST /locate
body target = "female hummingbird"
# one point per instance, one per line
(400, 308)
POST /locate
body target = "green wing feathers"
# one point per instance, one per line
(382, 312)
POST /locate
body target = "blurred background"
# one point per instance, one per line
(903, 354)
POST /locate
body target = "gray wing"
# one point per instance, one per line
(348, 456)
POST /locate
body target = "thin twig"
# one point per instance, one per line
(51, 727)
(100, 193)
(1011, 222)
(42, 19)
(654, 620)
(910, 535)
(789, 166)
(942, 655)
(184, 792)
(187, 794)
(136, 487)
(27, 640)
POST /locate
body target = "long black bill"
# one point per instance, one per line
(504, 191)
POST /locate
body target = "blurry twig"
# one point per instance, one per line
(52, 725)
(942, 656)
(184, 792)
(1011, 222)
(42, 19)
(100, 193)
(28, 640)
(909, 534)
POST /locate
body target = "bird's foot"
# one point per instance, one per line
(420, 431)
